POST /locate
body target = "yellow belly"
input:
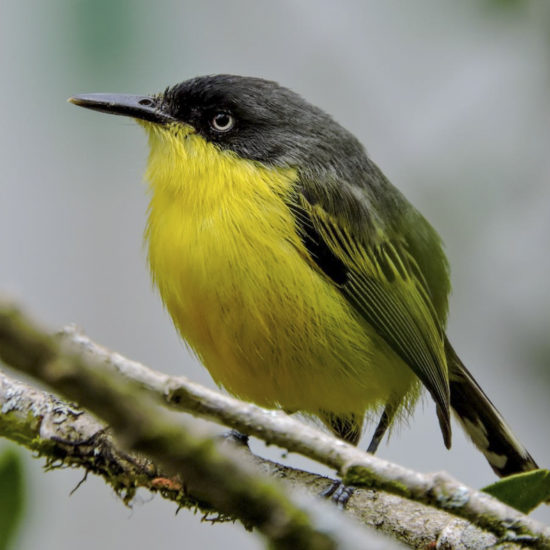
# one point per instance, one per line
(237, 282)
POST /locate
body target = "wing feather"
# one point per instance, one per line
(385, 285)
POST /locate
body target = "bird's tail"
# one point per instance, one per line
(483, 423)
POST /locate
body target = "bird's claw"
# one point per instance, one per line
(338, 493)
(235, 437)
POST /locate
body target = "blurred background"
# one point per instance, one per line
(451, 99)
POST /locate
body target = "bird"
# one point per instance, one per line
(300, 277)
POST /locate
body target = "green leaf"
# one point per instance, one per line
(11, 496)
(524, 492)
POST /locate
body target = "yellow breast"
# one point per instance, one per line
(236, 279)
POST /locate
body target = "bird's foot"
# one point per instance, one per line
(235, 437)
(338, 493)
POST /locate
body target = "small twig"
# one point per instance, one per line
(79, 484)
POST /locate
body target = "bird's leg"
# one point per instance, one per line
(348, 428)
(383, 425)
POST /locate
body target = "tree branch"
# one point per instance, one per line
(94, 379)
(69, 437)
(355, 467)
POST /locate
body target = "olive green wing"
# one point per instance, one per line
(381, 279)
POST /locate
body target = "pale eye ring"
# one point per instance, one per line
(222, 122)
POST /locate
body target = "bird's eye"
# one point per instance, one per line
(222, 122)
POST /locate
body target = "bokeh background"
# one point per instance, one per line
(451, 99)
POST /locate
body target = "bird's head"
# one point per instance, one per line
(252, 118)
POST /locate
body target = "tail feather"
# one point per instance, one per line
(483, 423)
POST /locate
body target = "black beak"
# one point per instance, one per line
(135, 106)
